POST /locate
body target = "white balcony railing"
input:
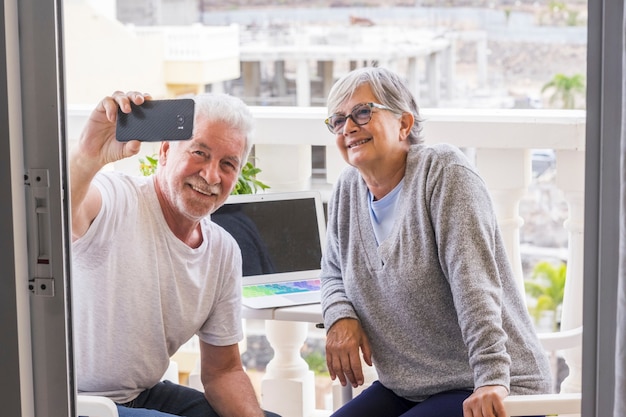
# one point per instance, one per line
(500, 141)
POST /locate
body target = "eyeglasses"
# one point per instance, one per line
(360, 114)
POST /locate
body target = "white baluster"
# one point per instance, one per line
(413, 77)
(507, 173)
(433, 75)
(288, 387)
(303, 83)
(450, 66)
(334, 164)
(284, 167)
(571, 179)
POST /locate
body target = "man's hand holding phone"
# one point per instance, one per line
(97, 145)
(121, 121)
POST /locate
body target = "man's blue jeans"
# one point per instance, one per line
(167, 399)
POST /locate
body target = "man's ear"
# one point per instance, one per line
(406, 124)
(164, 150)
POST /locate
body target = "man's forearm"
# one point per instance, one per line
(81, 175)
(83, 211)
(232, 395)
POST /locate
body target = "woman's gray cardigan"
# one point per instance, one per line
(437, 299)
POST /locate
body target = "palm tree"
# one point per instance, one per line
(565, 89)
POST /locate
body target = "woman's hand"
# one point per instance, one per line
(486, 402)
(343, 341)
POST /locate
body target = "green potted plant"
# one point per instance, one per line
(547, 286)
(247, 182)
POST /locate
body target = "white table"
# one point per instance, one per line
(309, 313)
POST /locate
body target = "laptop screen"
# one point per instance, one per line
(281, 235)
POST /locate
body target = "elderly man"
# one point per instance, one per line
(150, 269)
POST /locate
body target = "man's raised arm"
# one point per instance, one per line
(97, 147)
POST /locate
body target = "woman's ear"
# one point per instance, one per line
(406, 124)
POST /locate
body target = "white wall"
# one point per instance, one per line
(102, 55)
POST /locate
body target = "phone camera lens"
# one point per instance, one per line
(180, 119)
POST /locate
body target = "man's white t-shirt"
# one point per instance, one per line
(139, 292)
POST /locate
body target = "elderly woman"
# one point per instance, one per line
(415, 276)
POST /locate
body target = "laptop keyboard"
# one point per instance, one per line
(281, 288)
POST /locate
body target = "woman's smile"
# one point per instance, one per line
(358, 143)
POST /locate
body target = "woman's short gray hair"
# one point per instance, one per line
(229, 109)
(389, 89)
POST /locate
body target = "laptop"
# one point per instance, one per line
(281, 236)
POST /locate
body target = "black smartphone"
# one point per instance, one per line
(156, 120)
